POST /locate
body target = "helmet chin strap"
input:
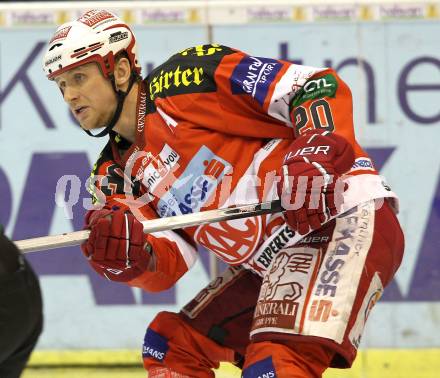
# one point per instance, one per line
(120, 96)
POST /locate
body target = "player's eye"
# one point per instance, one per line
(79, 77)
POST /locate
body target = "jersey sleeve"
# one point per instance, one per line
(325, 102)
(229, 91)
(263, 95)
(173, 255)
(280, 90)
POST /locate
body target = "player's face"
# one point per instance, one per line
(89, 95)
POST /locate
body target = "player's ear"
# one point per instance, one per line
(122, 73)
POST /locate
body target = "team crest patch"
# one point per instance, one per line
(233, 241)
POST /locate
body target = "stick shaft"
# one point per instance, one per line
(155, 225)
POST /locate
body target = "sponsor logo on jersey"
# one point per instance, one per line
(118, 36)
(202, 50)
(363, 163)
(330, 275)
(260, 369)
(349, 241)
(314, 239)
(320, 310)
(60, 34)
(142, 108)
(191, 191)
(158, 167)
(253, 76)
(284, 290)
(374, 293)
(190, 71)
(178, 80)
(94, 17)
(133, 156)
(155, 345)
(325, 86)
(280, 240)
(278, 307)
(233, 241)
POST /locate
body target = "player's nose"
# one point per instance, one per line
(70, 95)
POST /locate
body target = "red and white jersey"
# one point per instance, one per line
(213, 127)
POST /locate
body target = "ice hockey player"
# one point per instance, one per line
(21, 310)
(214, 127)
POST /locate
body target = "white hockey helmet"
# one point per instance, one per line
(97, 36)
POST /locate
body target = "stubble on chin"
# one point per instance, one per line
(90, 124)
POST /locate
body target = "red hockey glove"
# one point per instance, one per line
(117, 247)
(309, 188)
